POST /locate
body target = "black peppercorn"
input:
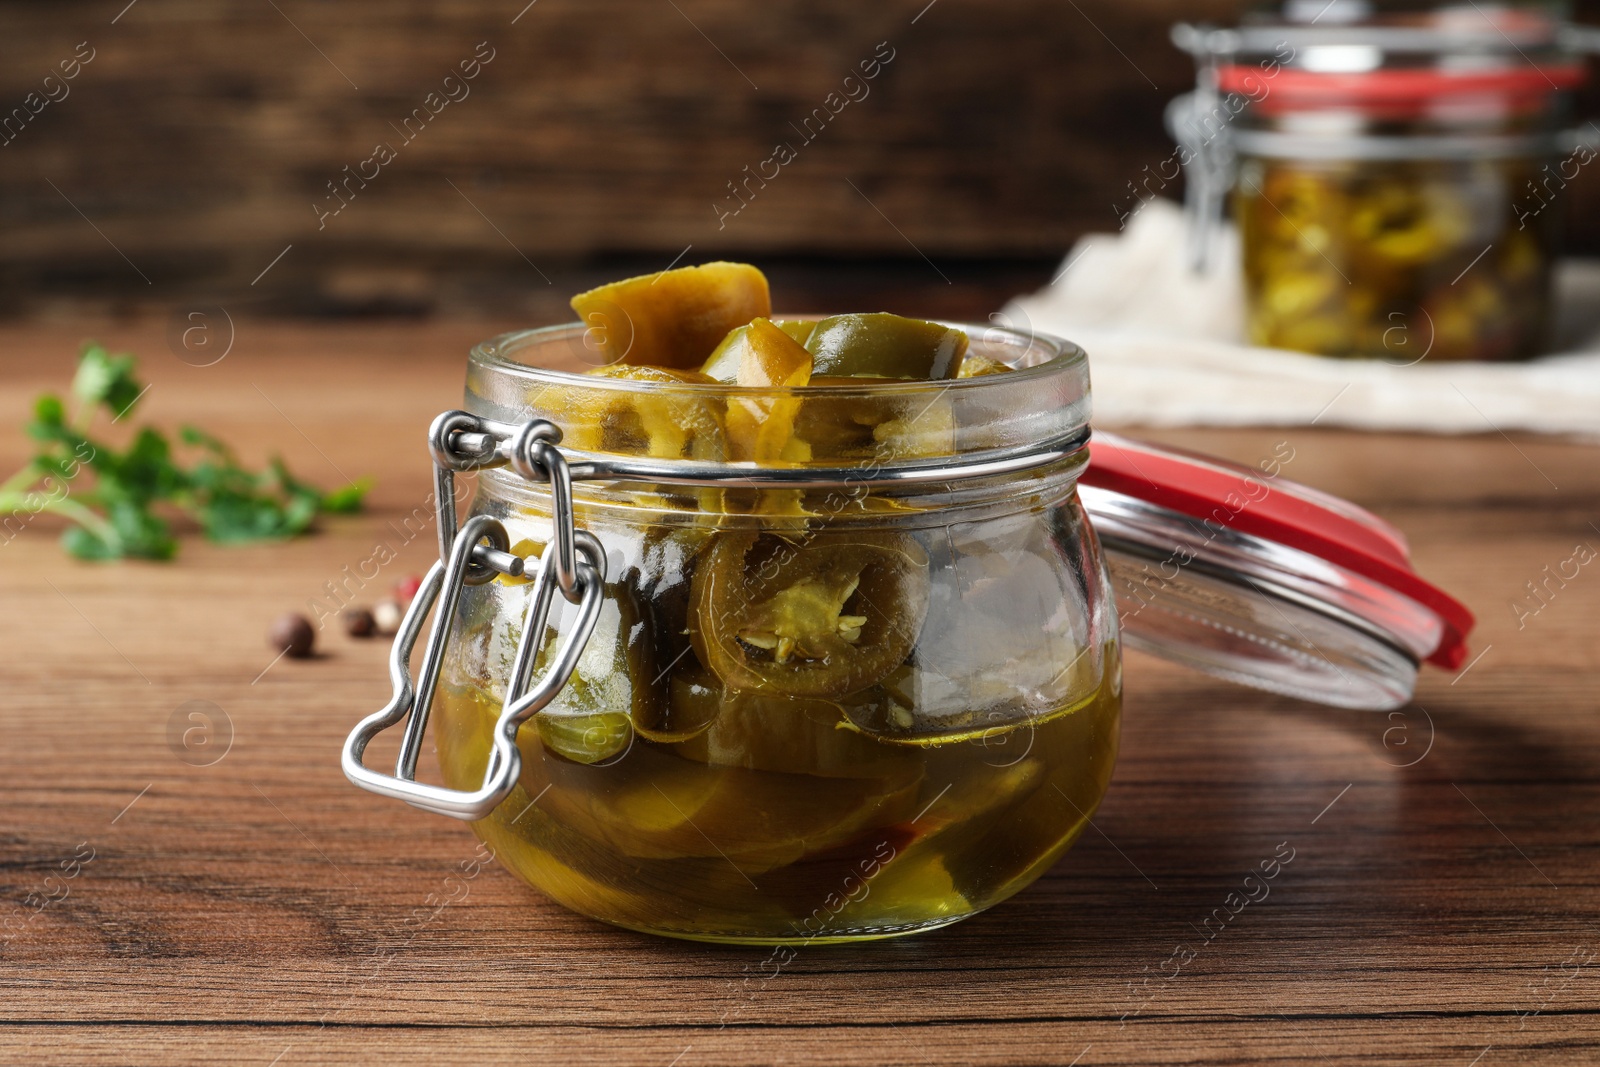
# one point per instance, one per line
(358, 622)
(292, 634)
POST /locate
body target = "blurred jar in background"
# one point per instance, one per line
(1396, 170)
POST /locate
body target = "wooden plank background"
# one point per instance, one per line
(1440, 907)
(191, 149)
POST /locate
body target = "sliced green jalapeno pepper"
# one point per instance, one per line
(976, 366)
(760, 428)
(586, 738)
(663, 427)
(667, 807)
(884, 428)
(596, 714)
(723, 365)
(587, 722)
(653, 598)
(794, 735)
(674, 318)
(821, 615)
(881, 345)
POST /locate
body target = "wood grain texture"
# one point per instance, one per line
(261, 910)
(201, 135)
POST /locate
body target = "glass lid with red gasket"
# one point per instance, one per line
(1247, 576)
(1397, 61)
(1355, 80)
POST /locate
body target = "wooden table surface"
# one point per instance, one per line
(1440, 907)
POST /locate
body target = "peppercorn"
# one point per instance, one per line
(292, 635)
(358, 622)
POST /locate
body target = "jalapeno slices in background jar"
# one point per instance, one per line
(1396, 171)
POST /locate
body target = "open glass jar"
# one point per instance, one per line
(1396, 170)
(868, 690)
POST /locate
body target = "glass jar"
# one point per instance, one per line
(1395, 169)
(941, 729)
(868, 690)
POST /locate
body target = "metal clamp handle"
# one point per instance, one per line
(574, 563)
(1201, 123)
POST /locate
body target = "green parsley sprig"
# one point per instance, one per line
(118, 513)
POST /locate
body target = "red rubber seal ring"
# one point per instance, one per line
(1289, 514)
(1396, 88)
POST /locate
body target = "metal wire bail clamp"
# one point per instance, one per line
(574, 562)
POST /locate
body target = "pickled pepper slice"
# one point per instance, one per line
(673, 319)
(654, 804)
(840, 427)
(652, 598)
(856, 427)
(723, 364)
(586, 738)
(976, 366)
(820, 615)
(694, 698)
(880, 345)
(588, 720)
(662, 427)
(759, 429)
(796, 735)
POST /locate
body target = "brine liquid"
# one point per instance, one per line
(811, 834)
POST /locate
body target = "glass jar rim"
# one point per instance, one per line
(1062, 358)
(870, 433)
(1040, 407)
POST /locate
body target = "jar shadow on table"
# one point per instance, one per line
(1099, 910)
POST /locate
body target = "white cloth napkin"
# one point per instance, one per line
(1166, 348)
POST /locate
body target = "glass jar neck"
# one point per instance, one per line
(845, 446)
